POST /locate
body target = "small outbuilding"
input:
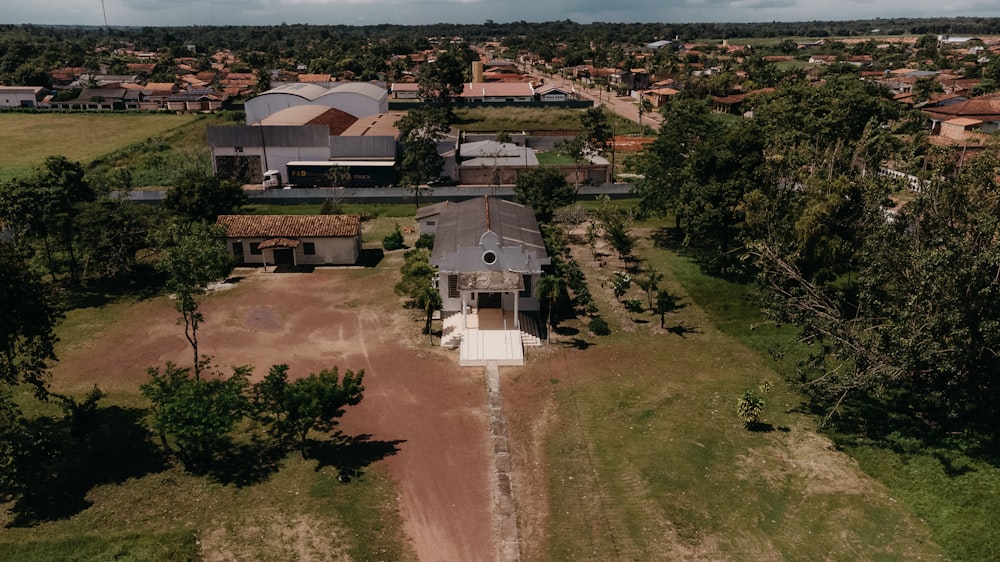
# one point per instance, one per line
(293, 240)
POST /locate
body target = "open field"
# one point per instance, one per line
(29, 138)
(628, 447)
(516, 119)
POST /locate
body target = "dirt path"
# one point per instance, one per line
(414, 393)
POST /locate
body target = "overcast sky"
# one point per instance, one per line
(370, 12)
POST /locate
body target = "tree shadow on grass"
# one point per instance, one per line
(577, 343)
(350, 455)
(566, 331)
(682, 330)
(668, 238)
(72, 456)
(245, 464)
(759, 427)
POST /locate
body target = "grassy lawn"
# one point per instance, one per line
(646, 459)
(952, 491)
(302, 512)
(553, 158)
(29, 138)
(516, 119)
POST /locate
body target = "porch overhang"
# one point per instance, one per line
(279, 243)
(490, 281)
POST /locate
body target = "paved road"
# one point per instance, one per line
(390, 194)
(627, 107)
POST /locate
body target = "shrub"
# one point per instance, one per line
(425, 241)
(393, 241)
(620, 283)
(633, 305)
(332, 206)
(750, 406)
(582, 296)
(599, 327)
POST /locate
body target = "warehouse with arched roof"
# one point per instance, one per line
(359, 99)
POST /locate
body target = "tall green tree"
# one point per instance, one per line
(307, 404)
(196, 417)
(596, 128)
(544, 189)
(443, 80)
(416, 276)
(28, 317)
(548, 289)
(45, 209)
(917, 332)
(200, 196)
(195, 256)
(420, 130)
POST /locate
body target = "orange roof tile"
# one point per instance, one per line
(290, 226)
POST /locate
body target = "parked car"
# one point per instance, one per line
(443, 181)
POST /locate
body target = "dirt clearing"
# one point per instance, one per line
(415, 394)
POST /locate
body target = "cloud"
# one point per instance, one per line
(416, 12)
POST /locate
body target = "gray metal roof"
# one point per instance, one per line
(277, 135)
(462, 225)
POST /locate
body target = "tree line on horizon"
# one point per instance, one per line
(30, 51)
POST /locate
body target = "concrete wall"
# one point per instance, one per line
(329, 251)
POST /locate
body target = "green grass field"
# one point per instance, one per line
(29, 138)
(648, 461)
(954, 491)
(517, 119)
(301, 512)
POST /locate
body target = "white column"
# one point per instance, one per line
(464, 323)
(517, 319)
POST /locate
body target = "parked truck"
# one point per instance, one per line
(272, 179)
(356, 173)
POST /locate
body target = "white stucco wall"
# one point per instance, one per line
(329, 251)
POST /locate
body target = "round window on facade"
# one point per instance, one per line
(489, 257)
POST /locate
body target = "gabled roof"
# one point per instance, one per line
(290, 226)
(491, 148)
(986, 108)
(431, 210)
(462, 225)
(549, 88)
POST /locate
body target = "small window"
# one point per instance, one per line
(431, 223)
(238, 249)
(453, 287)
(489, 257)
(309, 248)
(255, 249)
(238, 149)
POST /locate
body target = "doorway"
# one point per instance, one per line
(284, 256)
(489, 300)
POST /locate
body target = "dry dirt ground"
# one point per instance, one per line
(414, 392)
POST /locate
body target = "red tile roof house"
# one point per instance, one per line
(293, 240)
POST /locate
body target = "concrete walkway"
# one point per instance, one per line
(504, 507)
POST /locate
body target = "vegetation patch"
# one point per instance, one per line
(29, 138)
(516, 119)
(648, 459)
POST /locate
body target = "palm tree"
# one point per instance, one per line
(548, 289)
(428, 298)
